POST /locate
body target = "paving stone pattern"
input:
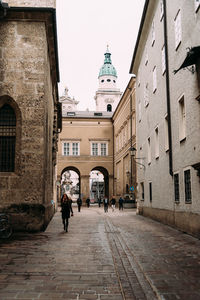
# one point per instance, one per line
(104, 256)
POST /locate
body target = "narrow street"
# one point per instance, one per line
(113, 256)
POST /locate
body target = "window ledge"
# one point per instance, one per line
(182, 139)
(188, 202)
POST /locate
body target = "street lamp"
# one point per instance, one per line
(133, 151)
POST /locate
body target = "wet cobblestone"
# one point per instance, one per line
(113, 256)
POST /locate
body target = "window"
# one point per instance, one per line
(177, 29)
(142, 190)
(154, 80)
(166, 134)
(103, 149)
(109, 107)
(163, 60)
(153, 33)
(146, 95)
(99, 149)
(71, 148)
(149, 150)
(102, 80)
(75, 149)
(176, 187)
(161, 10)
(188, 195)
(156, 143)
(182, 122)
(108, 80)
(7, 139)
(146, 58)
(150, 191)
(197, 4)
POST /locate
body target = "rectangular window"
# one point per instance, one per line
(156, 143)
(150, 191)
(177, 29)
(142, 190)
(161, 10)
(153, 34)
(166, 134)
(149, 150)
(66, 149)
(163, 60)
(182, 121)
(197, 4)
(103, 149)
(94, 149)
(187, 180)
(99, 149)
(71, 148)
(75, 149)
(154, 80)
(176, 187)
(146, 95)
(146, 58)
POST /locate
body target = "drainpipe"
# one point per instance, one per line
(168, 89)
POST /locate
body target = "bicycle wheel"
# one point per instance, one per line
(6, 233)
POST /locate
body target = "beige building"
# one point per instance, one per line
(125, 139)
(168, 112)
(29, 112)
(85, 145)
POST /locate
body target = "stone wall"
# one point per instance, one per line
(25, 84)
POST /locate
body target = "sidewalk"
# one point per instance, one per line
(112, 256)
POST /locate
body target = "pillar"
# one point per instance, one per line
(85, 187)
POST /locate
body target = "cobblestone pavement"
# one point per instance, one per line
(112, 256)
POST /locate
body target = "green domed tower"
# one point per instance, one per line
(107, 96)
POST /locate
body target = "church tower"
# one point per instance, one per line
(107, 95)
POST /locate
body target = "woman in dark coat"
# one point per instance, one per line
(66, 205)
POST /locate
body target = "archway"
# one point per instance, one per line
(99, 183)
(71, 182)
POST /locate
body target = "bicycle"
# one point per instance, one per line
(5, 227)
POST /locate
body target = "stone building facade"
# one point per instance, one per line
(168, 112)
(86, 144)
(124, 133)
(29, 112)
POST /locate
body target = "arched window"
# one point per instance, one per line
(7, 138)
(109, 107)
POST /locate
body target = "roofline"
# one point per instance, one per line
(44, 9)
(139, 34)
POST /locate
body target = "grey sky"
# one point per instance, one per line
(85, 27)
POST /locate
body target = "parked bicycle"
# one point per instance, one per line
(5, 227)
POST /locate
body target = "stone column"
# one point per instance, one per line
(85, 187)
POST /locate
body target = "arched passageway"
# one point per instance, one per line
(99, 183)
(70, 182)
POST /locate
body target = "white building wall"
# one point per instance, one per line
(153, 115)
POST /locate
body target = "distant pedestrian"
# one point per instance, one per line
(113, 202)
(99, 202)
(121, 203)
(66, 205)
(79, 203)
(105, 204)
(88, 202)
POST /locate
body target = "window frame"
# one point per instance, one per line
(197, 5)
(154, 74)
(99, 148)
(188, 185)
(70, 151)
(176, 188)
(157, 152)
(182, 118)
(177, 29)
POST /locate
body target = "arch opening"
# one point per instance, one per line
(99, 184)
(70, 183)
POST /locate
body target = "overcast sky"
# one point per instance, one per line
(85, 27)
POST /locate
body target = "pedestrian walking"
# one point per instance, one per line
(66, 209)
(88, 202)
(105, 204)
(113, 202)
(99, 202)
(79, 203)
(121, 203)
